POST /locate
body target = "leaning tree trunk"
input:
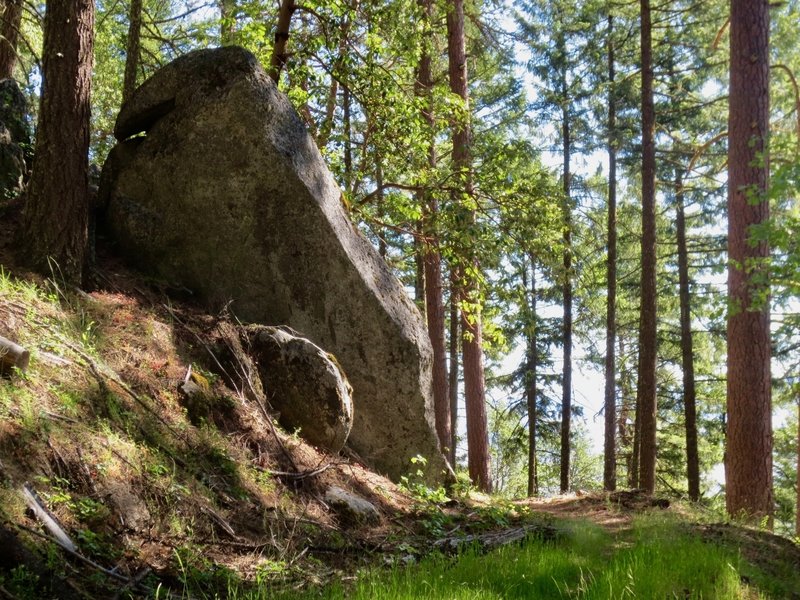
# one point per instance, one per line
(279, 54)
(610, 405)
(646, 389)
(132, 50)
(57, 208)
(472, 351)
(687, 351)
(748, 457)
(9, 30)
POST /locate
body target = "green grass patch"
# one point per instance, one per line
(659, 558)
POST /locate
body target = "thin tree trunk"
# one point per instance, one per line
(57, 208)
(279, 55)
(431, 257)
(474, 384)
(610, 408)
(348, 146)
(453, 370)
(9, 30)
(566, 396)
(626, 437)
(530, 377)
(646, 389)
(227, 27)
(687, 352)
(132, 50)
(797, 484)
(748, 459)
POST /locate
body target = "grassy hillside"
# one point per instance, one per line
(204, 496)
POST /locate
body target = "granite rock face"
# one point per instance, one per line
(227, 195)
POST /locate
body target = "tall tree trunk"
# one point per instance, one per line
(530, 376)
(279, 55)
(610, 405)
(646, 388)
(9, 30)
(453, 370)
(431, 257)
(132, 49)
(687, 352)
(797, 484)
(566, 382)
(474, 384)
(748, 459)
(227, 27)
(57, 208)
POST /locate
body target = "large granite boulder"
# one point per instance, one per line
(228, 196)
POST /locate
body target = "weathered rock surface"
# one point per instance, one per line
(228, 196)
(352, 509)
(305, 384)
(15, 137)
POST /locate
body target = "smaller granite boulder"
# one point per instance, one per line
(305, 384)
(352, 509)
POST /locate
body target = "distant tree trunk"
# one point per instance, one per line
(687, 352)
(348, 144)
(57, 208)
(132, 50)
(279, 54)
(474, 384)
(797, 485)
(431, 257)
(453, 371)
(566, 396)
(610, 407)
(646, 388)
(9, 30)
(748, 459)
(530, 376)
(627, 434)
(227, 27)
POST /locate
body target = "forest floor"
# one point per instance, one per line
(156, 494)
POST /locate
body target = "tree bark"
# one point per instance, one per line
(431, 257)
(132, 50)
(279, 55)
(530, 377)
(566, 382)
(748, 459)
(797, 484)
(57, 208)
(9, 30)
(474, 384)
(687, 352)
(646, 388)
(609, 405)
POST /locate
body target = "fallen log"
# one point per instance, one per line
(12, 355)
(485, 542)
